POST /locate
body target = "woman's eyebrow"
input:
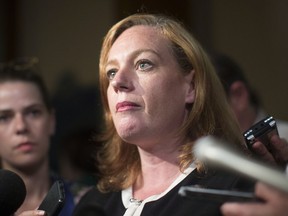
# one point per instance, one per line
(134, 53)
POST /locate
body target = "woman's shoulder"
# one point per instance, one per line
(220, 180)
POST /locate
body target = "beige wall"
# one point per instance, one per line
(255, 33)
(66, 36)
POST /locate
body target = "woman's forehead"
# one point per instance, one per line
(139, 37)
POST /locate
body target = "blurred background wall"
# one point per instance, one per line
(66, 36)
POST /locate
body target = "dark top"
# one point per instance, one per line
(69, 204)
(110, 204)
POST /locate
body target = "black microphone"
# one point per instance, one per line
(12, 192)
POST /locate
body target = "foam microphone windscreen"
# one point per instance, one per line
(12, 192)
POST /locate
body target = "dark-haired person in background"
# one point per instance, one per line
(248, 109)
(243, 99)
(26, 124)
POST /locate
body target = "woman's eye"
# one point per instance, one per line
(144, 65)
(4, 118)
(34, 112)
(111, 74)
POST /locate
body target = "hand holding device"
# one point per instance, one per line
(261, 131)
(276, 150)
(54, 200)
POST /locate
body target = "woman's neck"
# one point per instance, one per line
(156, 176)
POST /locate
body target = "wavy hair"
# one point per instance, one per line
(210, 114)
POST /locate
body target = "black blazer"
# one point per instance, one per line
(110, 204)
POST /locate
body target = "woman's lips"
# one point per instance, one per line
(125, 105)
(27, 146)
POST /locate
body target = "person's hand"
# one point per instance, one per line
(278, 154)
(275, 203)
(33, 213)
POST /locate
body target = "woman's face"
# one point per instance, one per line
(147, 92)
(25, 125)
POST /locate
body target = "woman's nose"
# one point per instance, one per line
(123, 81)
(20, 124)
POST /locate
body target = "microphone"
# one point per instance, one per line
(216, 153)
(12, 192)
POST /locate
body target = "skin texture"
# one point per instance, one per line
(147, 97)
(239, 99)
(276, 203)
(278, 154)
(25, 126)
(33, 213)
(145, 74)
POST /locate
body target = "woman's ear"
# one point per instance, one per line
(190, 93)
(239, 96)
